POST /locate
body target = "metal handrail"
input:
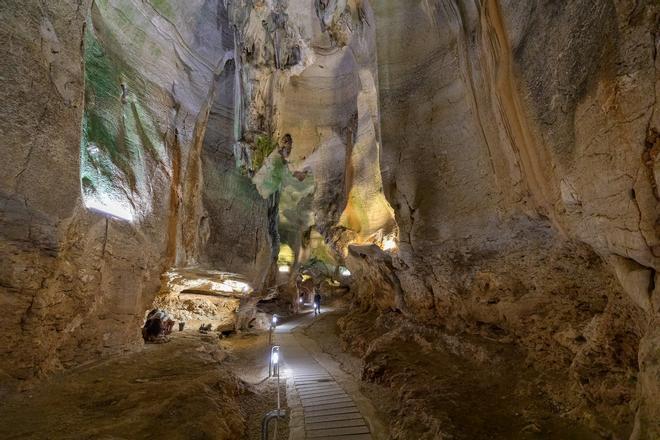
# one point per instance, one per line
(273, 368)
(270, 415)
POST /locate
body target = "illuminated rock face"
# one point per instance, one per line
(309, 74)
(161, 135)
(504, 153)
(112, 178)
(520, 155)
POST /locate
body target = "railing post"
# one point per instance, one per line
(270, 415)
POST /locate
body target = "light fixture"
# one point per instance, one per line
(344, 272)
(300, 301)
(284, 269)
(274, 364)
(274, 320)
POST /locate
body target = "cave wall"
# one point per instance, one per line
(520, 157)
(511, 147)
(331, 111)
(42, 85)
(233, 217)
(308, 73)
(107, 170)
(232, 232)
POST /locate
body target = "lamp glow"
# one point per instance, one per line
(284, 269)
(274, 319)
(273, 366)
(389, 244)
(344, 272)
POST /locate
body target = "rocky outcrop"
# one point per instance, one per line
(516, 155)
(102, 194)
(309, 133)
(483, 168)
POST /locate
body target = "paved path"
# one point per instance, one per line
(326, 410)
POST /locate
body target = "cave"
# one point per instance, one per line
(330, 219)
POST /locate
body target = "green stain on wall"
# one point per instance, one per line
(270, 176)
(120, 140)
(229, 185)
(296, 202)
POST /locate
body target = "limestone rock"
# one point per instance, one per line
(487, 167)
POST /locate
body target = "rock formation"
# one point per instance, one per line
(482, 168)
(537, 126)
(111, 178)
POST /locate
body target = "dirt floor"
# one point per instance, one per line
(193, 387)
(248, 360)
(429, 385)
(434, 386)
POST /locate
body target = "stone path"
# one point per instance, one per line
(328, 412)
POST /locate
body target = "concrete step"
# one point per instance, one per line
(329, 393)
(326, 400)
(298, 380)
(316, 384)
(328, 406)
(318, 389)
(346, 437)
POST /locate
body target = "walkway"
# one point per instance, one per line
(317, 401)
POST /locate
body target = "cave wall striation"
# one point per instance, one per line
(519, 154)
(510, 149)
(110, 176)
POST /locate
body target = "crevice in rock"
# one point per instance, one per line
(105, 238)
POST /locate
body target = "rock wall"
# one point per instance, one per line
(308, 85)
(108, 171)
(519, 154)
(511, 148)
(42, 85)
(233, 225)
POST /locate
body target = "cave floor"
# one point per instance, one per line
(193, 387)
(199, 386)
(429, 394)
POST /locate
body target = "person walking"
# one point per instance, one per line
(317, 302)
